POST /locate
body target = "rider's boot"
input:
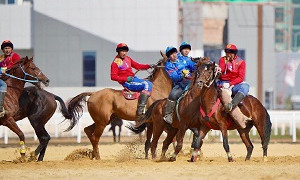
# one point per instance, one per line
(169, 108)
(235, 111)
(2, 111)
(141, 106)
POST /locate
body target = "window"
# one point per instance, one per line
(279, 15)
(89, 68)
(10, 1)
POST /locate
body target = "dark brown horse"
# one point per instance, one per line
(188, 112)
(102, 104)
(39, 106)
(114, 122)
(220, 120)
(207, 97)
(24, 71)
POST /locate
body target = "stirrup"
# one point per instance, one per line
(168, 118)
(2, 113)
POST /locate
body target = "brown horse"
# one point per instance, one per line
(188, 110)
(39, 106)
(24, 71)
(220, 120)
(102, 104)
(205, 80)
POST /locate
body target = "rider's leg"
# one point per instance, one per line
(171, 103)
(240, 91)
(145, 94)
(3, 88)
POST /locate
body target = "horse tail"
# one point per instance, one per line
(75, 108)
(63, 109)
(267, 130)
(141, 125)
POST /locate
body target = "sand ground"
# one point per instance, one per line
(126, 161)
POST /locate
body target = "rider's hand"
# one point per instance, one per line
(152, 65)
(185, 73)
(226, 85)
(3, 70)
(129, 78)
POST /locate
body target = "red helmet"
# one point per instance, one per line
(231, 48)
(7, 43)
(122, 47)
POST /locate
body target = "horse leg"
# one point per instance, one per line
(113, 129)
(96, 137)
(89, 130)
(226, 144)
(244, 134)
(197, 144)
(157, 131)
(44, 139)
(148, 140)
(179, 138)
(11, 124)
(171, 134)
(119, 137)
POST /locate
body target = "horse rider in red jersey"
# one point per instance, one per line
(121, 71)
(7, 60)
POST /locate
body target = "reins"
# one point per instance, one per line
(25, 75)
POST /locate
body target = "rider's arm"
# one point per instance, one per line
(241, 74)
(222, 64)
(174, 75)
(114, 74)
(139, 66)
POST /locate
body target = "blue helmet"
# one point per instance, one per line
(170, 50)
(184, 45)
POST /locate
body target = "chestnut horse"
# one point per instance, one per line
(204, 79)
(23, 71)
(39, 106)
(188, 110)
(220, 120)
(102, 104)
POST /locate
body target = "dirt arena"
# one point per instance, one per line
(125, 161)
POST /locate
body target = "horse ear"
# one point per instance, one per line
(163, 55)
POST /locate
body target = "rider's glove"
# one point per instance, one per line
(129, 78)
(185, 73)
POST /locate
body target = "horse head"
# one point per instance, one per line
(205, 73)
(25, 70)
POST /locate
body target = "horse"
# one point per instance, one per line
(23, 71)
(220, 120)
(115, 121)
(188, 113)
(104, 103)
(39, 106)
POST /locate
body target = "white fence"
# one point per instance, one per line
(55, 127)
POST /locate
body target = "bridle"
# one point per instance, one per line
(36, 80)
(209, 80)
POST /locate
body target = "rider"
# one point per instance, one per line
(121, 71)
(233, 70)
(7, 60)
(179, 68)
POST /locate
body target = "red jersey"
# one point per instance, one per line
(234, 71)
(122, 68)
(9, 61)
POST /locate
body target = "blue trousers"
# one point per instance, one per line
(138, 85)
(3, 86)
(243, 87)
(178, 89)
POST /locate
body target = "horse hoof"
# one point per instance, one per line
(172, 159)
(230, 160)
(32, 157)
(193, 159)
(265, 159)
(163, 159)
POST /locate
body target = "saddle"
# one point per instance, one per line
(130, 95)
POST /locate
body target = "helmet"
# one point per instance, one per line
(184, 45)
(122, 47)
(231, 48)
(170, 50)
(7, 43)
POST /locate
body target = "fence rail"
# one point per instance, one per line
(55, 127)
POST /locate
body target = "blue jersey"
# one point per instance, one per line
(174, 69)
